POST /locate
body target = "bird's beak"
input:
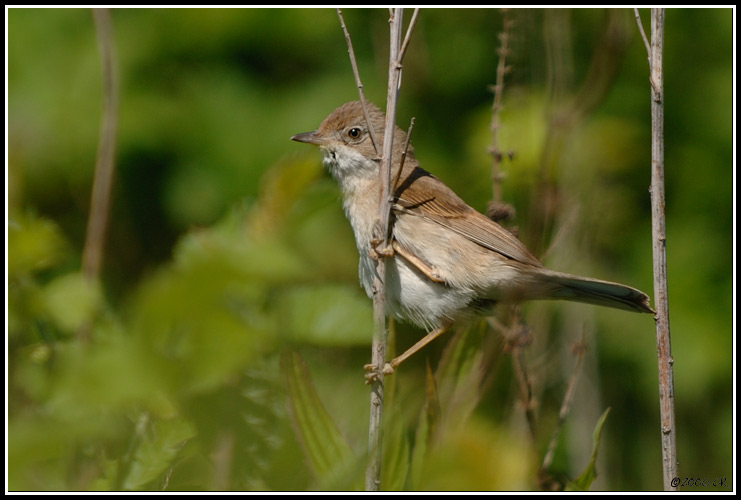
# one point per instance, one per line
(310, 138)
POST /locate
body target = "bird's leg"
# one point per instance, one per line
(395, 248)
(429, 271)
(372, 371)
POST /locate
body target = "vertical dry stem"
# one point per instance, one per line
(378, 349)
(658, 229)
(498, 88)
(100, 199)
(519, 337)
(104, 165)
(373, 471)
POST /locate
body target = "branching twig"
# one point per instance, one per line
(498, 89)
(403, 157)
(359, 84)
(658, 229)
(378, 348)
(395, 60)
(643, 35)
(378, 356)
(517, 333)
(408, 36)
(646, 44)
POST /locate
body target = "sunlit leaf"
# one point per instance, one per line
(326, 450)
(459, 375)
(158, 446)
(586, 478)
(429, 419)
(395, 465)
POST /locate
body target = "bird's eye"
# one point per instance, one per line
(354, 132)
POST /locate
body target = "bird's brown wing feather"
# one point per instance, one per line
(423, 195)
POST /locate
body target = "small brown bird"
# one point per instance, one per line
(449, 261)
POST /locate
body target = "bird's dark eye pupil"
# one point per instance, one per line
(354, 132)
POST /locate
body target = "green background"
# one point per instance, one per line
(227, 246)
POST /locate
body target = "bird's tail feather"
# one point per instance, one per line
(594, 291)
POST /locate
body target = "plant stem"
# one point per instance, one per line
(378, 353)
(658, 229)
(104, 164)
(100, 198)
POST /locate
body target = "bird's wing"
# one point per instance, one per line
(421, 194)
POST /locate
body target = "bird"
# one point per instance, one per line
(446, 261)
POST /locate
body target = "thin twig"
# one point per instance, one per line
(654, 85)
(378, 355)
(378, 347)
(104, 165)
(408, 36)
(100, 199)
(643, 36)
(578, 349)
(498, 88)
(403, 157)
(658, 229)
(517, 333)
(373, 471)
(396, 56)
(359, 84)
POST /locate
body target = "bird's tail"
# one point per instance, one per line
(593, 291)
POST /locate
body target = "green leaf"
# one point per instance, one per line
(395, 466)
(328, 453)
(429, 419)
(158, 448)
(585, 480)
(459, 375)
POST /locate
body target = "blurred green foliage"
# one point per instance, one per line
(227, 246)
